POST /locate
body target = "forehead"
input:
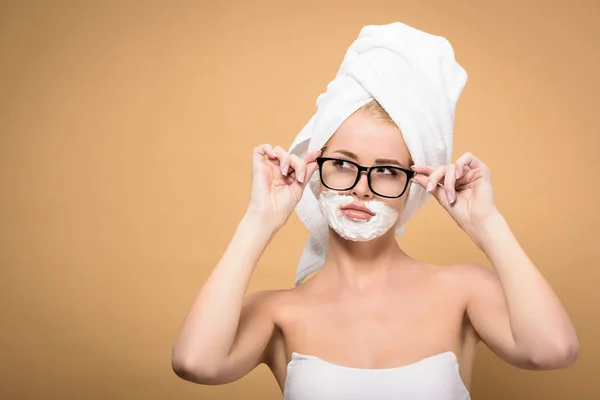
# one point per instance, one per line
(369, 138)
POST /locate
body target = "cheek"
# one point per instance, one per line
(397, 204)
(316, 186)
(322, 188)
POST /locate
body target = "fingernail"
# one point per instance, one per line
(301, 177)
(450, 197)
(429, 186)
(284, 169)
(274, 154)
(456, 174)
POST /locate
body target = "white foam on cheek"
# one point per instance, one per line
(379, 207)
(353, 229)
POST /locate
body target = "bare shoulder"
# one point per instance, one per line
(460, 281)
(470, 278)
(281, 306)
(271, 301)
(265, 300)
(467, 273)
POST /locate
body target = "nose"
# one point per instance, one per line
(361, 189)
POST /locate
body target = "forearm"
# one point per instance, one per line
(539, 323)
(210, 326)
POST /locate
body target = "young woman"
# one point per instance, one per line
(374, 323)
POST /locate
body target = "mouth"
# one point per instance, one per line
(356, 211)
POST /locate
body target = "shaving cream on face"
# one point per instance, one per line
(356, 230)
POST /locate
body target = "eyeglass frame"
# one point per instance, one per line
(409, 174)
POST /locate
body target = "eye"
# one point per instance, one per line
(342, 164)
(385, 171)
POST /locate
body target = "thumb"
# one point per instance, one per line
(437, 192)
(310, 170)
(258, 158)
(299, 187)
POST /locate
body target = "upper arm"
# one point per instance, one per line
(254, 331)
(487, 311)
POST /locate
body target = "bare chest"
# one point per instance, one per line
(374, 332)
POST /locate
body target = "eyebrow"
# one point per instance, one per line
(383, 161)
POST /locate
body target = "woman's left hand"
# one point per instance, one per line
(464, 189)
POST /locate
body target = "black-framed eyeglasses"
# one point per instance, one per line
(384, 180)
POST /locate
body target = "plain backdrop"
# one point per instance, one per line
(126, 133)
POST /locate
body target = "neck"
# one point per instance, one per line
(361, 266)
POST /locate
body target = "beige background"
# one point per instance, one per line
(126, 131)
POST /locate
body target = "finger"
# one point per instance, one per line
(436, 187)
(263, 150)
(420, 180)
(468, 160)
(310, 170)
(422, 169)
(463, 176)
(435, 177)
(449, 179)
(284, 159)
(458, 169)
(312, 156)
(269, 151)
(299, 167)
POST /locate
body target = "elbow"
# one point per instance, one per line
(568, 354)
(181, 368)
(560, 355)
(193, 371)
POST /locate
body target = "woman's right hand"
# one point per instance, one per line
(278, 180)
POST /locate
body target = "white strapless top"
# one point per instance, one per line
(432, 378)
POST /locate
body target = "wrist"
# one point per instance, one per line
(483, 229)
(259, 223)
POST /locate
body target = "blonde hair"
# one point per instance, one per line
(374, 109)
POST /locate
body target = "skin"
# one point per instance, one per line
(372, 305)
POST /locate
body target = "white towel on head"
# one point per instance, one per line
(416, 79)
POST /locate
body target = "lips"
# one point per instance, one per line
(357, 212)
(357, 207)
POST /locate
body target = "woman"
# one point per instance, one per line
(373, 309)
(374, 323)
